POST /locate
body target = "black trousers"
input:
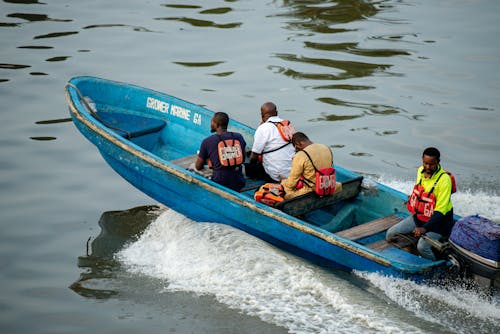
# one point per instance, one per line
(255, 170)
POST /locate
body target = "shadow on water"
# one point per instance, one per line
(117, 229)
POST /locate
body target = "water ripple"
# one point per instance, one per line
(56, 34)
(350, 69)
(202, 23)
(36, 17)
(135, 28)
(353, 48)
(58, 58)
(220, 10)
(198, 64)
(182, 6)
(8, 24)
(367, 109)
(319, 18)
(26, 2)
(13, 66)
(40, 47)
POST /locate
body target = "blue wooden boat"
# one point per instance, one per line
(150, 138)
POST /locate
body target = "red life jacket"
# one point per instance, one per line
(453, 182)
(230, 152)
(422, 203)
(325, 179)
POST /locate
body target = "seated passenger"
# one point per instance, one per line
(429, 204)
(272, 144)
(310, 159)
(224, 152)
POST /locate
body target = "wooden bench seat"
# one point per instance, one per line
(369, 228)
(308, 202)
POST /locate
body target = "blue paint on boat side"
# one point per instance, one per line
(145, 161)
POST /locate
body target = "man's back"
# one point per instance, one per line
(277, 153)
(302, 167)
(231, 177)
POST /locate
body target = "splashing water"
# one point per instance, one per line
(248, 274)
(453, 306)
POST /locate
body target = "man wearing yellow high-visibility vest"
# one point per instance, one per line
(429, 204)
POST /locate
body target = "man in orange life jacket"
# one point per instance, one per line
(272, 142)
(309, 158)
(224, 152)
(429, 203)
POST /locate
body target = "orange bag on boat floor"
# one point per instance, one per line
(270, 194)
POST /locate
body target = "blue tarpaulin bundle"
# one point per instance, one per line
(478, 235)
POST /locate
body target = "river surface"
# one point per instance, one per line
(82, 251)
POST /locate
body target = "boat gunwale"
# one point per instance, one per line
(84, 117)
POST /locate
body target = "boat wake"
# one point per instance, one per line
(250, 275)
(453, 306)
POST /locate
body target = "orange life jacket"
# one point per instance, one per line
(422, 203)
(270, 194)
(230, 152)
(286, 131)
(325, 179)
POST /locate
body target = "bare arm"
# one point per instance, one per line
(199, 163)
(254, 157)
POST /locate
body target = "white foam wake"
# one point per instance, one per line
(455, 307)
(248, 274)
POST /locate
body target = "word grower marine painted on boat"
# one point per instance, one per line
(176, 111)
(180, 112)
(157, 105)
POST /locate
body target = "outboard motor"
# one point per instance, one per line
(475, 248)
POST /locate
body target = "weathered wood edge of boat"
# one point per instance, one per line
(194, 196)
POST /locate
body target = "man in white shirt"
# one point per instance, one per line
(272, 142)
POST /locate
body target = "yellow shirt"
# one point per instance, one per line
(442, 191)
(321, 156)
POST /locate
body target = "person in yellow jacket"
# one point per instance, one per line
(302, 177)
(429, 204)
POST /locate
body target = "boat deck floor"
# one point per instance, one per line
(188, 163)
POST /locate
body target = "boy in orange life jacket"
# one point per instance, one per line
(309, 158)
(225, 153)
(272, 143)
(430, 204)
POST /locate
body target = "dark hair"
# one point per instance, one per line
(269, 108)
(299, 137)
(221, 119)
(432, 152)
